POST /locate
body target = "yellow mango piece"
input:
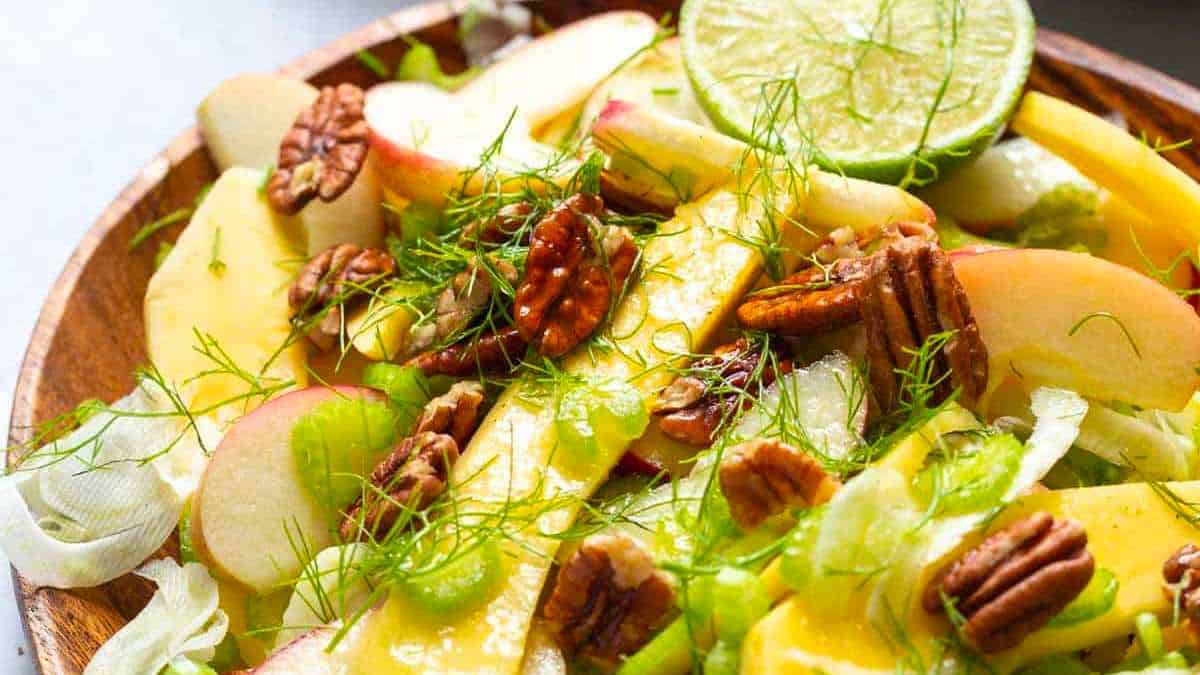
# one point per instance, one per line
(691, 282)
(1116, 161)
(1131, 531)
(379, 330)
(240, 303)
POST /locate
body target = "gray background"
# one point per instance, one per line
(91, 90)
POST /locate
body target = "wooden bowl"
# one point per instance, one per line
(88, 339)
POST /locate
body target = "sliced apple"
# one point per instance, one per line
(1116, 161)
(242, 305)
(428, 144)
(252, 509)
(666, 161)
(381, 330)
(306, 655)
(356, 217)
(655, 79)
(242, 122)
(1078, 322)
(555, 73)
(1131, 531)
(244, 118)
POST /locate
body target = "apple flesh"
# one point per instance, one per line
(427, 143)
(1059, 318)
(655, 79)
(665, 161)
(243, 120)
(251, 498)
(305, 655)
(554, 74)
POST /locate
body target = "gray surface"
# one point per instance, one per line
(93, 89)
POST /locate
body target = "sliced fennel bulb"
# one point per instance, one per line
(87, 517)
(181, 620)
(1058, 414)
(329, 588)
(813, 407)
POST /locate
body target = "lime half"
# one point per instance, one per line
(895, 91)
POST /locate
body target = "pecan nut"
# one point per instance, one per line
(814, 300)
(575, 269)
(493, 352)
(1015, 581)
(762, 478)
(455, 413)
(409, 479)
(1181, 576)
(609, 600)
(330, 279)
(468, 294)
(507, 224)
(691, 410)
(903, 294)
(323, 152)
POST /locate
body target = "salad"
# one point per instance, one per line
(792, 336)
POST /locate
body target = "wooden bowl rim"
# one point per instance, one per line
(1050, 43)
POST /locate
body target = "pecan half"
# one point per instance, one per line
(412, 476)
(500, 228)
(333, 277)
(493, 352)
(575, 269)
(903, 294)
(455, 413)
(762, 478)
(323, 151)
(468, 294)
(691, 410)
(1181, 574)
(814, 300)
(1016, 580)
(608, 600)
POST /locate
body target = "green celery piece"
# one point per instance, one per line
(723, 659)
(739, 600)
(187, 549)
(668, 652)
(420, 64)
(406, 386)
(596, 417)
(974, 478)
(461, 583)
(337, 443)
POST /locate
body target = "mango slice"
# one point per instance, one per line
(692, 279)
(1116, 161)
(1131, 531)
(224, 281)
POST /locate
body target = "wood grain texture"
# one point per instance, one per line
(89, 338)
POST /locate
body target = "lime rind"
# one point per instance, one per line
(711, 33)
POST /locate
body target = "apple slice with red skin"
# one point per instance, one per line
(1082, 323)
(554, 74)
(661, 161)
(251, 497)
(305, 655)
(426, 143)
